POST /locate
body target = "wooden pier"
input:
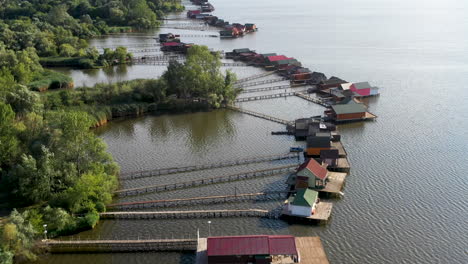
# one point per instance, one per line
(81, 246)
(264, 97)
(257, 76)
(342, 166)
(335, 183)
(311, 250)
(188, 214)
(200, 200)
(129, 46)
(248, 84)
(312, 99)
(222, 164)
(165, 63)
(270, 88)
(206, 181)
(260, 115)
(341, 150)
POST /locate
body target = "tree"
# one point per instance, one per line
(8, 140)
(67, 50)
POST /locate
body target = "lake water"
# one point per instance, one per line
(406, 198)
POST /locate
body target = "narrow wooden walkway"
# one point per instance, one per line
(221, 164)
(206, 181)
(264, 97)
(188, 214)
(248, 84)
(259, 115)
(200, 200)
(312, 99)
(128, 46)
(80, 246)
(270, 88)
(257, 76)
(165, 63)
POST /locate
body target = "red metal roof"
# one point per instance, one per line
(251, 245)
(171, 44)
(277, 58)
(313, 166)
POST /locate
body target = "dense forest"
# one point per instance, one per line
(55, 33)
(53, 168)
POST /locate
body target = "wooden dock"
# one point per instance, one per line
(264, 97)
(342, 166)
(188, 214)
(200, 200)
(335, 183)
(81, 246)
(312, 99)
(256, 76)
(311, 250)
(221, 164)
(165, 63)
(341, 150)
(270, 88)
(248, 84)
(260, 115)
(206, 181)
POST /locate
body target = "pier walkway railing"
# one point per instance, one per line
(221, 164)
(248, 84)
(313, 99)
(270, 88)
(190, 214)
(206, 181)
(200, 200)
(253, 77)
(165, 63)
(73, 246)
(259, 115)
(264, 97)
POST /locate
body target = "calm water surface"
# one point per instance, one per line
(406, 198)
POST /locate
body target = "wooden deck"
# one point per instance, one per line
(342, 166)
(313, 99)
(247, 84)
(201, 257)
(269, 88)
(369, 116)
(322, 211)
(264, 97)
(341, 150)
(188, 214)
(335, 183)
(311, 250)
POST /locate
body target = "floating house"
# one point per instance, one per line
(317, 77)
(330, 157)
(310, 174)
(363, 89)
(169, 37)
(260, 249)
(175, 47)
(229, 32)
(193, 13)
(316, 144)
(249, 27)
(331, 83)
(349, 111)
(207, 7)
(302, 204)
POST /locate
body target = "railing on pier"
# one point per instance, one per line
(259, 115)
(162, 63)
(270, 88)
(221, 164)
(264, 97)
(247, 84)
(253, 77)
(200, 200)
(70, 246)
(190, 214)
(162, 57)
(206, 181)
(312, 99)
(129, 46)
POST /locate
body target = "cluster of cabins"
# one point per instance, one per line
(171, 43)
(233, 30)
(286, 66)
(324, 160)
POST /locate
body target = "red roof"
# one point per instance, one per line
(251, 245)
(166, 44)
(313, 166)
(277, 58)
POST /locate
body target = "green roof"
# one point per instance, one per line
(305, 197)
(349, 108)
